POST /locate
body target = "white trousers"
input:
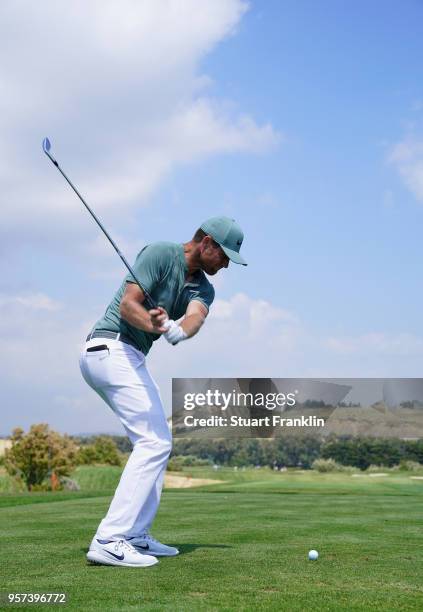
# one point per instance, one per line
(119, 375)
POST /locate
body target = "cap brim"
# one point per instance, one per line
(234, 256)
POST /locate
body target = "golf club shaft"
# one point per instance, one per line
(148, 300)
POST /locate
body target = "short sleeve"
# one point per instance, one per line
(151, 266)
(204, 294)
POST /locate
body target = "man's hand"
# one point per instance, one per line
(174, 333)
(195, 316)
(159, 320)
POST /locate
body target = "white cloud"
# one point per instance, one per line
(41, 340)
(119, 89)
(242, 337)
(32, 301)
(407, 157)
(377, 344)
(105, 40)
(245, 337)
(199, 129)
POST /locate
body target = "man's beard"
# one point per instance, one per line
(210, 270)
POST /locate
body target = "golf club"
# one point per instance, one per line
(148, 300)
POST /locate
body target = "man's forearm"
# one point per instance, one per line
(192, 323)
(136, 315)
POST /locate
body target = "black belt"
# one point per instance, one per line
(113, 336)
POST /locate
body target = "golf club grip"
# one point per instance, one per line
(148, 303)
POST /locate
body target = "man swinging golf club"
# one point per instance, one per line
(113, 363)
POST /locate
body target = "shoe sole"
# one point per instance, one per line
(155, 554)
(98, 559)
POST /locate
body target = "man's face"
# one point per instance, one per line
(212, 257)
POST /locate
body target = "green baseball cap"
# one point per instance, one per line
(228, 235)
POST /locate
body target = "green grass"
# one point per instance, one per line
(243, 544)
(97, 478)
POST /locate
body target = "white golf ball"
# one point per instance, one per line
(313, 555)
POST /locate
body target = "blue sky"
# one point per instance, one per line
(302, 120)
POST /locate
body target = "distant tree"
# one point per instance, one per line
(363, 452)
(104, 450)
(39, 454)
(315, 404)
(302, 450)
(123, 443)
(289, 451)
(293, 451)
(413, 450)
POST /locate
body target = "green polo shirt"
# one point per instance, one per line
(161, 269)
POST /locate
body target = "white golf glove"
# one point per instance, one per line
(174, 333)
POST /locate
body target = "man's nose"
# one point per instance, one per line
(226, 262)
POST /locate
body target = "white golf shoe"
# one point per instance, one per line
(147, 545)
(118, 552)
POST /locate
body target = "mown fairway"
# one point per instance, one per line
(243, 544)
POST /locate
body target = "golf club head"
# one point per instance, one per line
(46, 145)
(46, 149)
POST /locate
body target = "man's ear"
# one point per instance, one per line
(206, 241)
